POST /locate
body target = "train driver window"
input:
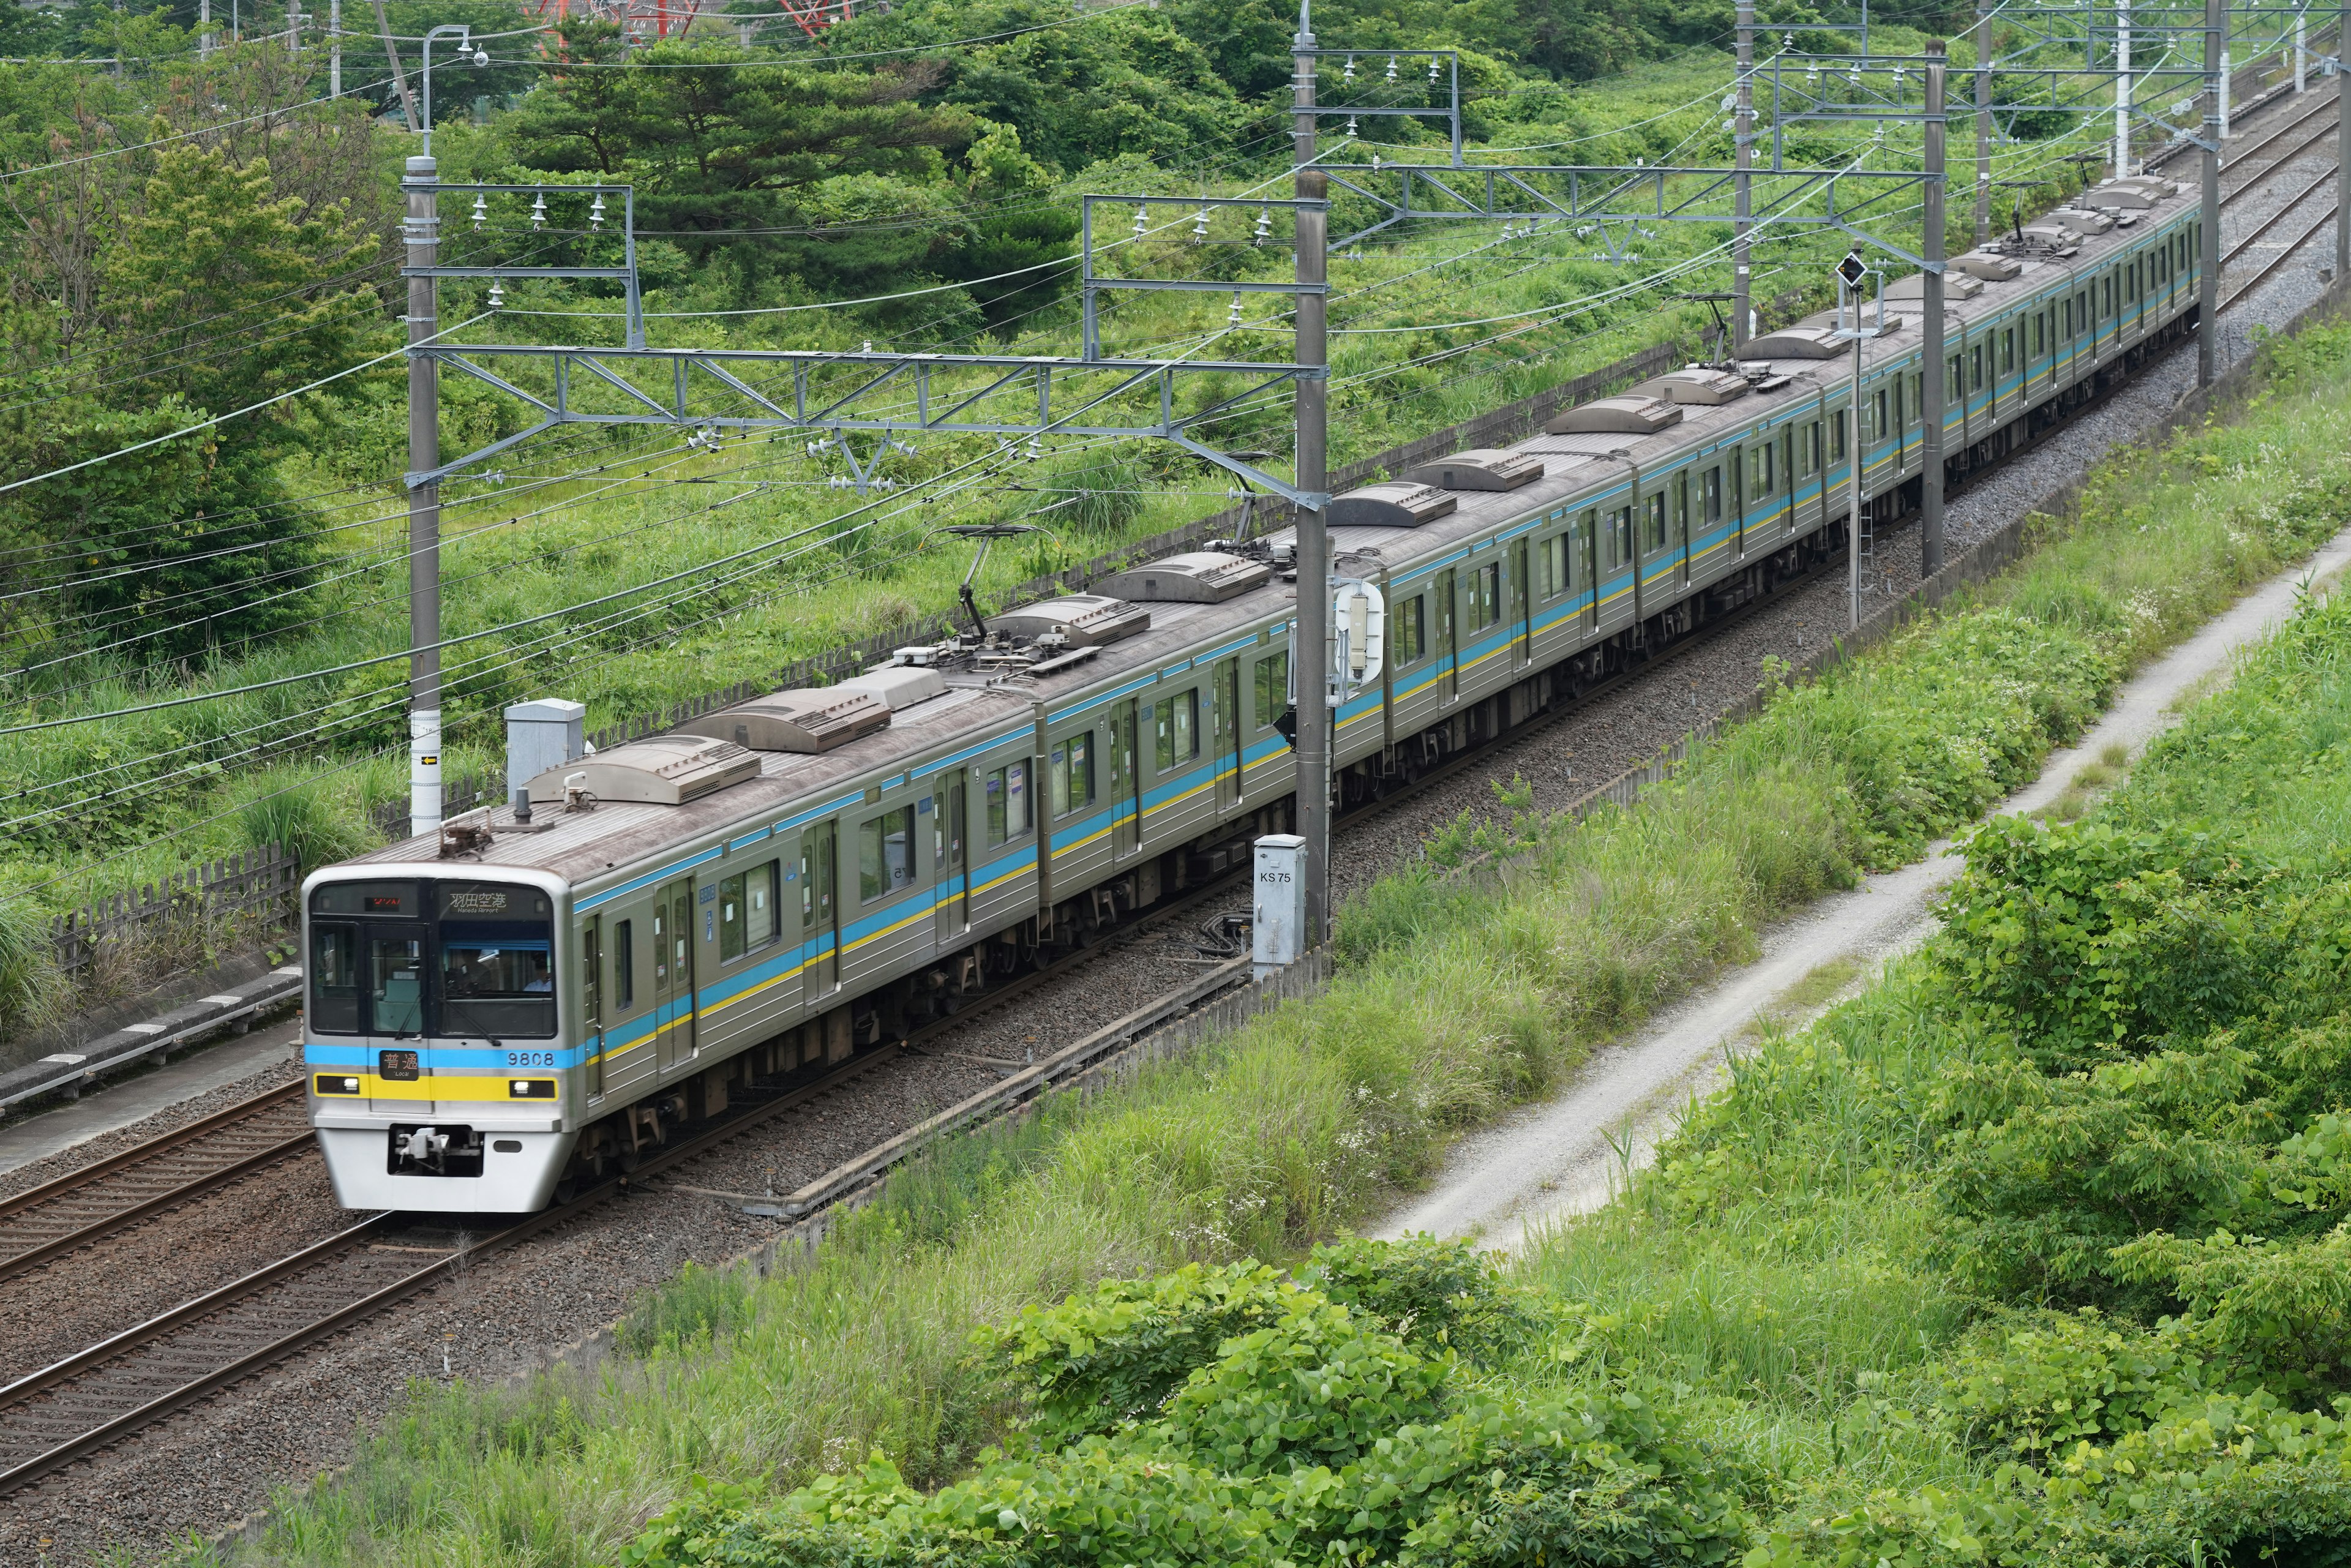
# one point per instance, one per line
(747, 911)
(1175, 730)
(2037, 339)
(1620, 536)
(1070, 773)
(1812, 448)
(1273, 692)
(1009, 813)
(885, 854)
(1410, 621)
(624, 965)
(1975, 368)
(1918, 392)
(1837, 435)
(1713, 491)
(2007, 350)
(1655, 537)
(1738, 484)
(1765, 484)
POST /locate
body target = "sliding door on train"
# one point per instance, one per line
(673, 974)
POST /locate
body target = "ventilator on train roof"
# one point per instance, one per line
(659, 770)
(1083, 620)
(1702, 385)
(1196, 577)
(1398, 504)
(801, 721)
(1485, 468)
(1628, 415)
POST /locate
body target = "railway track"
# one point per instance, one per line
(47, 1222)
(105, 1395)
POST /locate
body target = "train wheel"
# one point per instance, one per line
(567, 1187)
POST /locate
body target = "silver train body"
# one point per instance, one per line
(493, 1021)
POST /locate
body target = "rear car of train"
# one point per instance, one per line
(433, 1036)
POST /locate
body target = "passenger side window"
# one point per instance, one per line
(747, 911)
(1009, 814)
(1175, 730)
(1273, 687)
(885, 854)
(1070, 773)
(624, 965)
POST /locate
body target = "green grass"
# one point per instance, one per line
(1802, 1319)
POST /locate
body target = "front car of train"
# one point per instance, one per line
(434, 1035)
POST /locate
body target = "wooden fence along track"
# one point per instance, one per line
(254, 889)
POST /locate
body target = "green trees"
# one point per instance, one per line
(211, 293)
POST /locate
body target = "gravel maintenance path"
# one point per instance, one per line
(216, 1463)
(1566, 1155)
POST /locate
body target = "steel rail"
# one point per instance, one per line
(26, 1205)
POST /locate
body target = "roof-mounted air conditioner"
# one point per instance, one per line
(1988, 265)
(897, 686)
(1614, 416)
(1196, 577)
(1802, 342)
(804, 721)
(659, 770)
(1956, 286)
(1486, 468)
(1701, 385)
(1084, 619)
(1399, 504)
(2081, 220)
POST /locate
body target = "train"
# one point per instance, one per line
(532, 1001)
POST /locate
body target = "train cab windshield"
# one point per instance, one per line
(446, 960)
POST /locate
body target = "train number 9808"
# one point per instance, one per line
(530, 1059)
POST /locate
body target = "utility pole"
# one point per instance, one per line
(2341, 148)
(335, 48)
(2301, 54)
(1742, 183)
(1930, 383)
(424, 507)
(2207, 289)
(204, 41)
(399, 76)
(1983, 121)
(2122, 87)
(1311, 635)
(294, 26)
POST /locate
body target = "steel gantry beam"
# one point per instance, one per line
(898, 393)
